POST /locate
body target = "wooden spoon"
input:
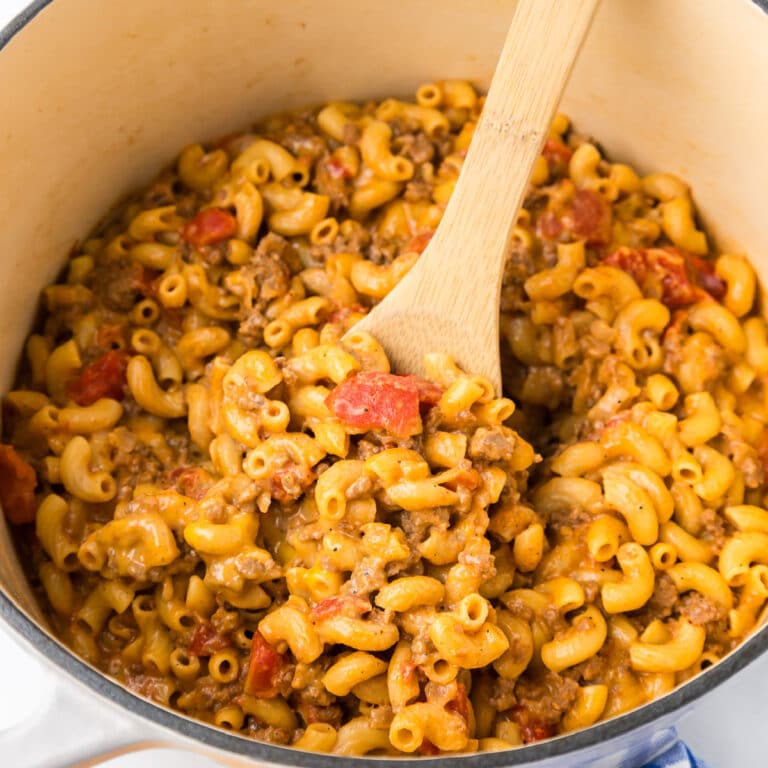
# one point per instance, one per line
(449, 301)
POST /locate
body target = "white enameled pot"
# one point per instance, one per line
(96, 95)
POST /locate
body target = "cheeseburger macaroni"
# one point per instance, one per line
(229, 503)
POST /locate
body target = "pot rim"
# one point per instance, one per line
(58, 654)
(680, 697)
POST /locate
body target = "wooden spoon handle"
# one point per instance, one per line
(473, 238)
(449, 302)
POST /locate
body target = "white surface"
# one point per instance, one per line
(728, 728)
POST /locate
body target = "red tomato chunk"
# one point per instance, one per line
(206, 641)
(531, 729)
(460, 705)
(191, 481)
(375, 400)
(104, 377)
(17, 487)
(263, 668)
(589, 217)
(676, 277)
(211, 225)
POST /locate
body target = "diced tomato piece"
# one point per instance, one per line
(589, 217)
(548, 226)
(633, 261)
(557, 155)
(531, 729)
(191, 481)
(264, 664)
(351, 606)
(104, 377)
(209, 226)
(428, 749)
(376, 400)
(206, 641)
(337, 169)
(17, 487)
(678, 289)
(419, 242)
(678, 278)
(460, 704)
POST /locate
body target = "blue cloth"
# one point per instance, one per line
(677, 756)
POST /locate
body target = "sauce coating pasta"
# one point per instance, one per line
(238, 511)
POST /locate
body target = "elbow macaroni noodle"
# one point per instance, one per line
(227, 528)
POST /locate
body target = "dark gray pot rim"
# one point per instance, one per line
(678, 699)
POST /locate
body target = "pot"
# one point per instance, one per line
(94, 99)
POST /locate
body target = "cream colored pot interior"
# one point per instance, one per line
(95, 98)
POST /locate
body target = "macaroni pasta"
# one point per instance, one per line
(239, 511)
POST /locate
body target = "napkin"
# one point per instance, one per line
(677, 756)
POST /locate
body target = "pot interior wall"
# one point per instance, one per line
(94, 101)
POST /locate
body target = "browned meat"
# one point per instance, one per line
(273, 262)
(699, 609)
(209, 694)
(374, 443)
(304, 143)
(118, 282)
(161, 192)
(312, 713)
(269, 734)
(662, 600)
(714, 526)
(417, 190)
(493, 443)
(518, 267)
(270, 270)
(332, 180)
(547, 697)
(503, 694)
(224, 621)
(415, 146)
(381, 251)
(157, 689)
(593, 670)
(252, 328)
(416, 525)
